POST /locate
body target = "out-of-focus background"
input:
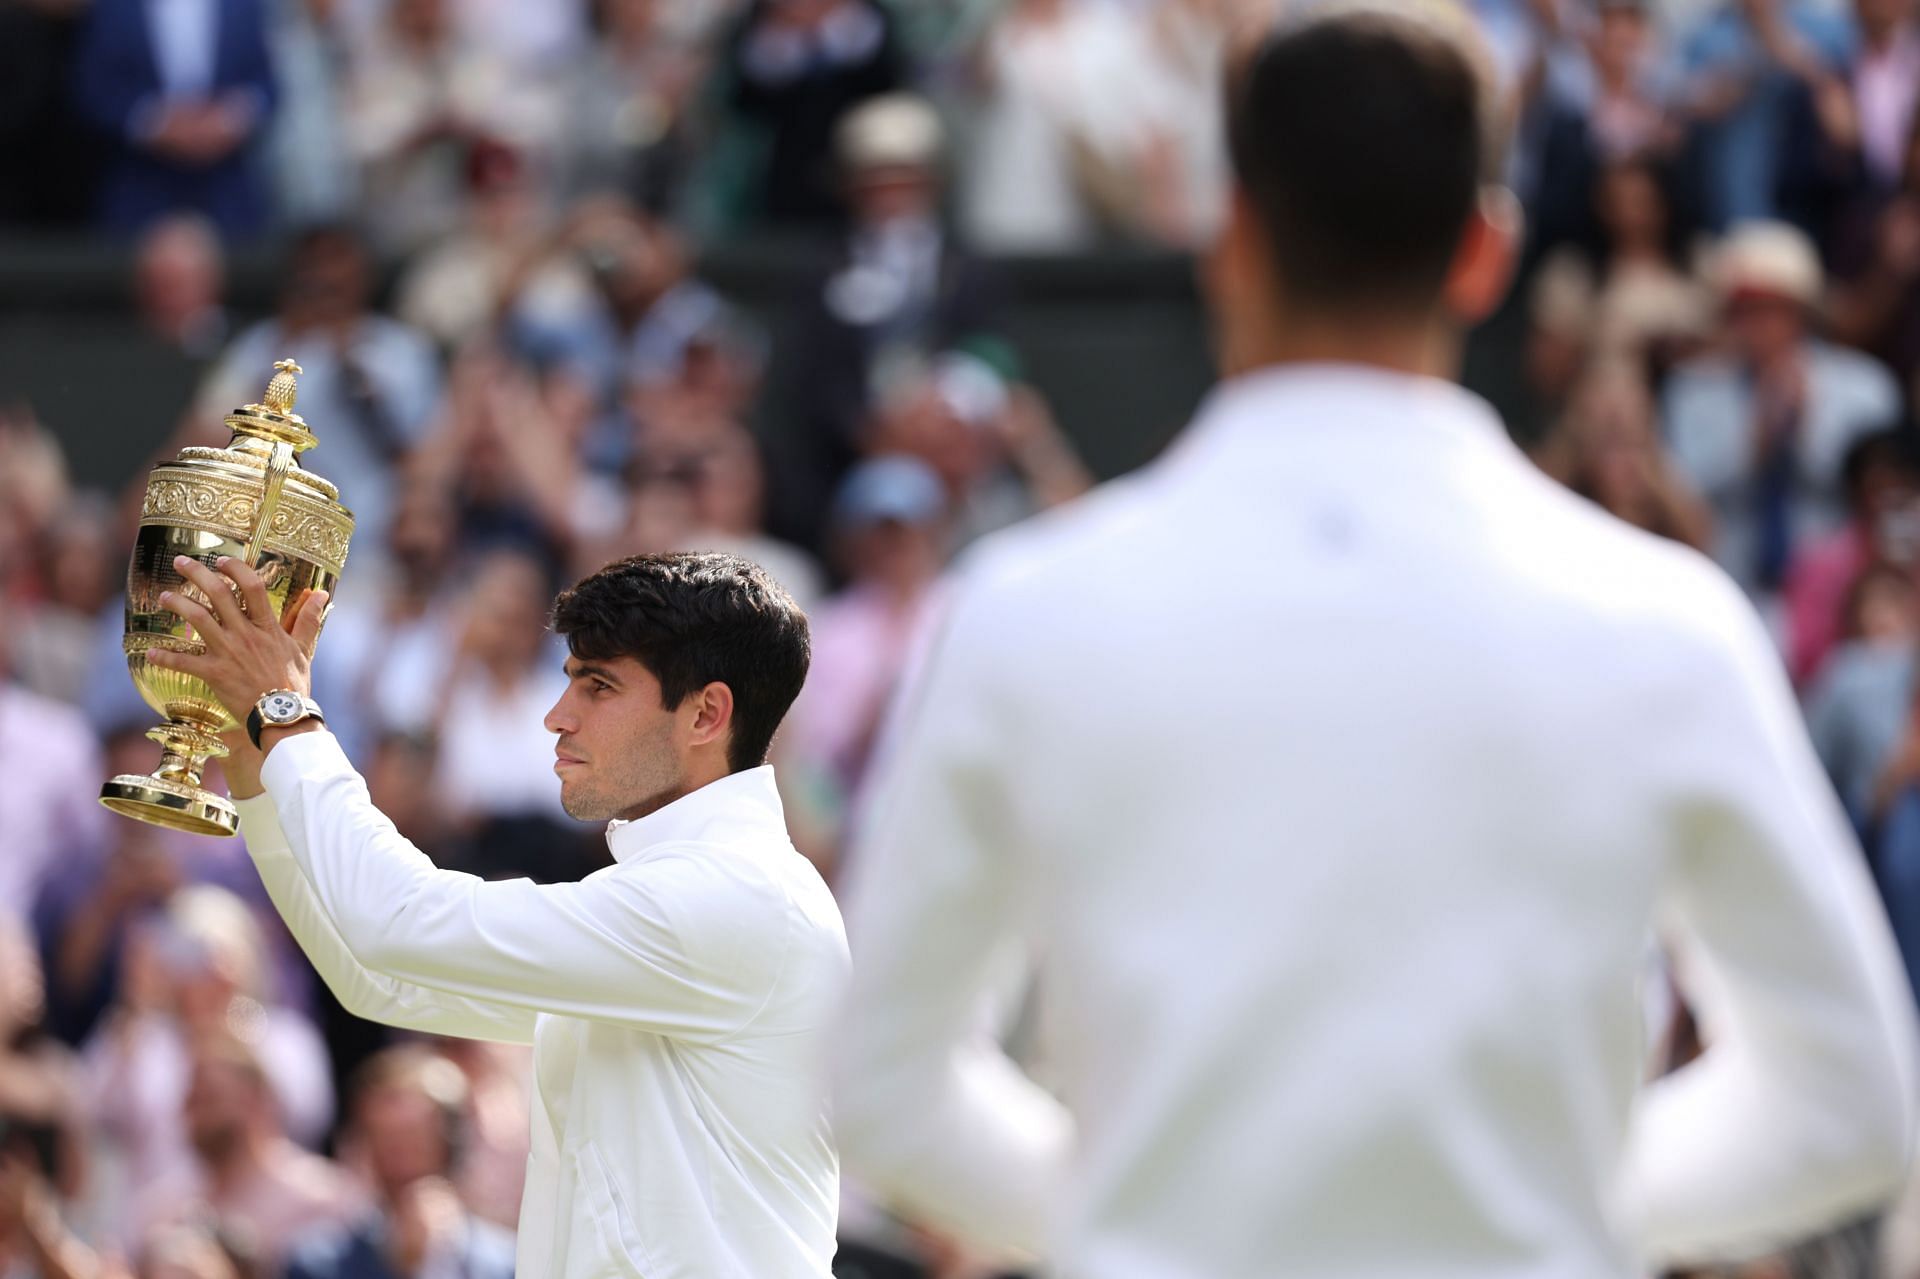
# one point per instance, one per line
(841, 285)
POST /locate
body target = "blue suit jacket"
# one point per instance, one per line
(117, 83)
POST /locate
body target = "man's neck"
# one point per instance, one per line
(1427, 350)
(697, 778)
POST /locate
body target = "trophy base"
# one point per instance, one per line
(159, 802)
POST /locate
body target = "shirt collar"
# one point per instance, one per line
(739, 805)
(1346, 402)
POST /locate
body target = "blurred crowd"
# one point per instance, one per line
(491, 218)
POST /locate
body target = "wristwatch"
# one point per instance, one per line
(278, 709)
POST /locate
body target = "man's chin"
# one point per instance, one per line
(582, 808)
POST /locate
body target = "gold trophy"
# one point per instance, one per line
(252, 500)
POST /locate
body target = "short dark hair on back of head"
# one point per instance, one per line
(694, 618)
(1362, 135)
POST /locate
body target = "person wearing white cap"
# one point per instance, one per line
(1761, 430)
(1329, 776)
(899, 287)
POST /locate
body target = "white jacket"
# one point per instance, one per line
(675, 1002)
(1334, 769)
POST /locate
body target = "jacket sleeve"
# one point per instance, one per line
(680, 943)
(929, 1111)
(361, 991)
(1800, 1112)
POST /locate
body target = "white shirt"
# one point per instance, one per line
(1334, 769)
(675, 1002)
(185, 37)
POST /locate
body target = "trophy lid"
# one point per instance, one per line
(273, 419)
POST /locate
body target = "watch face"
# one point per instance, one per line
(281, 708)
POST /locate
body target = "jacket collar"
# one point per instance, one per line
(1358, 404)
(739, 805)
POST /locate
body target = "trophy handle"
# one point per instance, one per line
(278, 464)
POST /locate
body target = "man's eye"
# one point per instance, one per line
(601, 686)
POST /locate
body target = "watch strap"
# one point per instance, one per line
(257, 723)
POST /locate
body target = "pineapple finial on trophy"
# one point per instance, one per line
(281, 391)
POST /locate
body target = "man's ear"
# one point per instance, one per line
(1236, 273)
(1483, 265)
(712, 708)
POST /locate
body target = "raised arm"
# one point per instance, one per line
(675, 943)
(360, 990)
(680, 942)
(1801, 1111)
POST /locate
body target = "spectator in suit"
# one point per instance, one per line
(900, 287)
(183, 89)
(1761, 431)
(409, 1120)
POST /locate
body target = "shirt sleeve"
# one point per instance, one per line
(929, 1111)
(676, 944)
(1801, 1110)
(362, 992)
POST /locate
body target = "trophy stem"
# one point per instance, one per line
(171, 796)
(185, 749)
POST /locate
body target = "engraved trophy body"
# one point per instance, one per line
(250, 500)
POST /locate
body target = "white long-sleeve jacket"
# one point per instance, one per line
(1334, 769)
(675, 1000)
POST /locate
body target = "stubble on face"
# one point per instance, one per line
(627, 779)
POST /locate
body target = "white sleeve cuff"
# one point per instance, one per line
(301, 755)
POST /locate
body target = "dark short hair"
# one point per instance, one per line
(693, 618)
(1894, 444)
(1362, 137)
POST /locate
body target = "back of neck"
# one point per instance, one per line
(1424, 350)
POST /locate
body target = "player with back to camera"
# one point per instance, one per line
(1331, 772)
